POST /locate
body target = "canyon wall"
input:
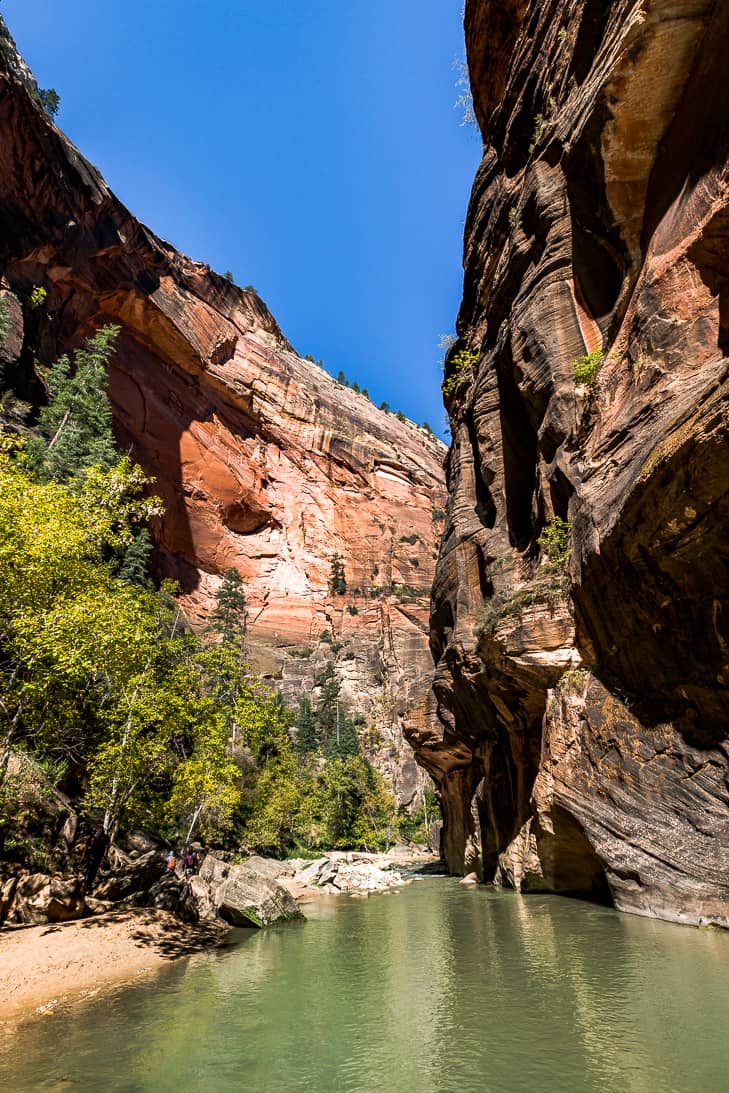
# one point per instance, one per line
(581, 618)
(264, 462)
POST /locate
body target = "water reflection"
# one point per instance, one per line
(434, 989)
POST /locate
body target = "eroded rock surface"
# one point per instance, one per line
(264, 462)
(584, 701)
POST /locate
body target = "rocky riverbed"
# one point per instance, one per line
(97, 943)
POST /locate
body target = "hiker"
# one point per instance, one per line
(190, 861)
(96, 848)
(171, 863)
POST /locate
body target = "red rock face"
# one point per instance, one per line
(264, 462)
(584, 704)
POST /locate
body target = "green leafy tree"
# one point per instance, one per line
(37, 297)
(205, 784)
(58, 601)
(555, 543)
(275, 821)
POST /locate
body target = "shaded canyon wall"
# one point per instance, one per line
(583, 698)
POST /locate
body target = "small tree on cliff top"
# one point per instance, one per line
(50, 100)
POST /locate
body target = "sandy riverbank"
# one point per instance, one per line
(46, 967)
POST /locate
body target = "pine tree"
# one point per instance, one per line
(134, 560)
(50, 100)
(229, 618)
(337, 580)
(328, 708)
(75, 426)
(307, 742)
(343, 741)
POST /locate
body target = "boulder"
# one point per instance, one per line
(203, 897)
(8, 885)
(130, 877)
(367, 877)
(317, 872)
(173, 894)
(298, 889)
(43, 817)
(40, 898)
(213, 871)
(270, 867)
(247, 899)
(328, 872)
(98, 906)
(140, 842)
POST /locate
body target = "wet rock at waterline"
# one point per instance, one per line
(246, 898)
(242, 895)
(246, 894)
(582, 683)
(352, 873)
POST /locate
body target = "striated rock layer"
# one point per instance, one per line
(264, 462)
(584, 697)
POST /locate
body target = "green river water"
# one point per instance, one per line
(435, 988)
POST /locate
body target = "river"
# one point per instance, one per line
(432, 989)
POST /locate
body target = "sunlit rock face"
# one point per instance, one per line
(264, 462)
(584, 705)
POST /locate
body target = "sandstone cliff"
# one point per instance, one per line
(264, 462)
(584, 697)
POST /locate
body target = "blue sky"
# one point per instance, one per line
(310, 146)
